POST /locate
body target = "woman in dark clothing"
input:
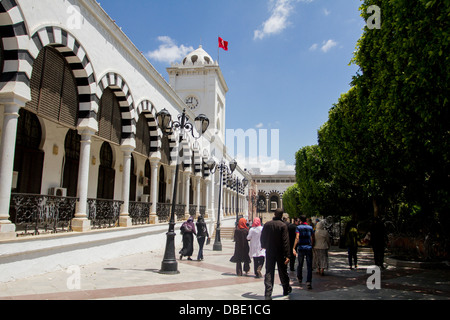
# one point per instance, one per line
(188, 231)
(241, 248)
(202, 235)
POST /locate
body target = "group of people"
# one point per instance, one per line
(279, 243)
(188, 230)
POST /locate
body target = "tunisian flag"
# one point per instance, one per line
(223, 44)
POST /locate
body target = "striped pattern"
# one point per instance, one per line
(17, 62)
(126, 104)
(19, 51)
(78, 61)
(150, 112)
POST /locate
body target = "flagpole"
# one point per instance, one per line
(218, 53)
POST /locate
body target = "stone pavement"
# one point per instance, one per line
(136, 277)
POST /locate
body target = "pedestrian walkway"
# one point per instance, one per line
(136, 277)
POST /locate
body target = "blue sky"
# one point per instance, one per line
(287, 64)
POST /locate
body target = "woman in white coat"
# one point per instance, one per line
(256, 252)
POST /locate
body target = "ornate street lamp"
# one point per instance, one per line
(222, 167)
(237, 184)
(169, 264)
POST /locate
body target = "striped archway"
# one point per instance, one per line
(123, 94)
(80, 64)
(147, 108)
(17, 61)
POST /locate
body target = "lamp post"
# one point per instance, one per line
(237, 184)
(169, 264)
(222, 167)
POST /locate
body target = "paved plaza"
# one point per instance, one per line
(136, 277)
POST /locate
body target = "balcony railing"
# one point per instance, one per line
(39, 214)
(140, 212)
(104, 213)
(203, 210)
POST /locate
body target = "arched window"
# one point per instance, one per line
(148, 177)
(162, 185)
(109, 117)
(29, 159)
(71, 162)
(53, 87)
(143, 136)
(106, 173)
(133, 180)
(165, 150)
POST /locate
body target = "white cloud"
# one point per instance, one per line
(168, 51)
(313, 47)
(328, 45)
(278, 20)
(326, 12)
(259, 125)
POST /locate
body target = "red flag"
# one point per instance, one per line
(223, 44)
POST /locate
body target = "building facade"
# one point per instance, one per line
(80, 144)
(266, 192)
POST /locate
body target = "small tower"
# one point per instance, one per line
(199, 81)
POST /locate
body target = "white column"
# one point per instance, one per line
(154, 163)
(124, 219)
(187, 181)
(81, 222)
(7, 152)
(208, 198)
(199, 189)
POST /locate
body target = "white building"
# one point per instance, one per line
(80, 144)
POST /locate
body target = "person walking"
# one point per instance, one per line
(202, 235)
(322, 244)
(241, 248)
(351, 241)
(303, 249)
(292, 229)
(188, 232)
(256, 252)
(275, 239)
(378, 241)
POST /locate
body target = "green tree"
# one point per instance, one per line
(403, 89)
(291, 201)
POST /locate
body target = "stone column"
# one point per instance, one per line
(208, 198)
(154, 163)
(198, 193)
(7, 152)
(124, 218)
(81, 222)
(187, 177)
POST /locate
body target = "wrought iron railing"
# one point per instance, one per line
(192, 210)
(140, 212)
(203, 210)
(104, 213)
(180, 209)
(37, 214)
(163, 212)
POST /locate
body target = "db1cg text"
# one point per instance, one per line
(246, 310)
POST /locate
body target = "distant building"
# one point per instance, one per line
(266, 191)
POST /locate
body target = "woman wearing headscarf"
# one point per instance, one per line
(322, 244)
(241, 248)
(258, 254)
(188, 232)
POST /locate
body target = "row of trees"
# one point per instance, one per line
(385, 147)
